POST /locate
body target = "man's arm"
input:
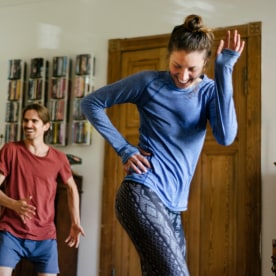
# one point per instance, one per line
(21, 207)
(2, 178)
(76, 229)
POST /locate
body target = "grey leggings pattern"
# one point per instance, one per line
(155, 231)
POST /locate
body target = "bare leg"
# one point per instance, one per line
(5, 271)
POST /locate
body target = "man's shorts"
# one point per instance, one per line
(43, 254)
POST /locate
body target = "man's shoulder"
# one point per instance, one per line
(13, 145)
(57, 153)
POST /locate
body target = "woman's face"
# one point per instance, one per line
(186, 68)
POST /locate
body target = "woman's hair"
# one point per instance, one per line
(42, 112)
(191, 36)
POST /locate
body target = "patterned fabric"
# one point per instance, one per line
(156, 231)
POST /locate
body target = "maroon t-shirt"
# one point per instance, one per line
(30, 175)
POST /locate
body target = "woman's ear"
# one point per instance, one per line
(205, 65)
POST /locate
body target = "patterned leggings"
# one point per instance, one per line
(156, 231)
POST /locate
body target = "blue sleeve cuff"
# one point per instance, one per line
(126, 152)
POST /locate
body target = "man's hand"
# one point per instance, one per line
(73, 238)
(24, 209)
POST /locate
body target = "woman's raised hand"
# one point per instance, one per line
(231, 42)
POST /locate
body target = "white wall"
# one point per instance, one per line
(86, 25)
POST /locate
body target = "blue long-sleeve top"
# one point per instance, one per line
(172, 124)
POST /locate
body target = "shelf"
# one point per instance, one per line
(15, 99)
(58, 100)
(61, 92)
(83, 85)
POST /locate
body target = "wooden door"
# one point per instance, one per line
(222, 224)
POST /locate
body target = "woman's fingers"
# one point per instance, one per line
(231, 42)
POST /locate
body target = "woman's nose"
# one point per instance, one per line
(184, 75)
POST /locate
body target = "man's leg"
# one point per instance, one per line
(44, 255)
(5, 271)
(9, 253)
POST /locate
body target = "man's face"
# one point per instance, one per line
(33, 126)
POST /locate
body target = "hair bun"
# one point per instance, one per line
(193, 23)
(192, 35)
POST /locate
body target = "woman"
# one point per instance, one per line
(174, 108)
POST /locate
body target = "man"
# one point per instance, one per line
(30, 169)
